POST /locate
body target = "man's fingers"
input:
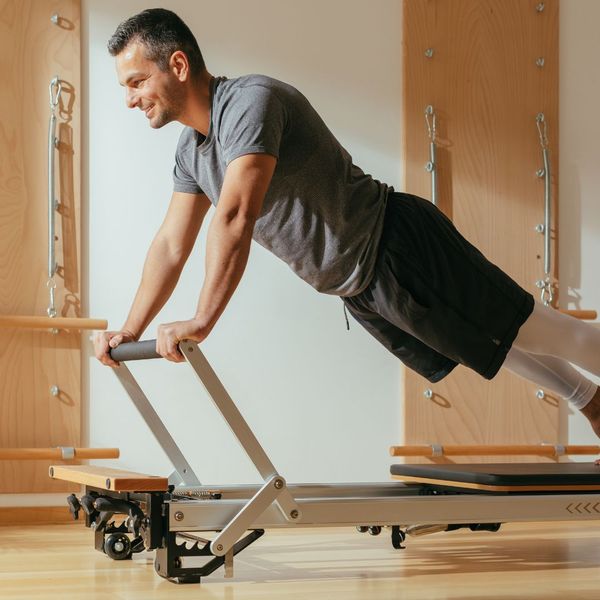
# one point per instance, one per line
(104, 342)
(167, 345)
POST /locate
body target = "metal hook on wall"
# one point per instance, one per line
(431, 166)
(545, 284)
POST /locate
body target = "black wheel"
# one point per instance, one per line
(375, 530)
(398, 536)
(117, 546)
(362, 529)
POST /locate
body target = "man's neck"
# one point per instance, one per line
(196, 113)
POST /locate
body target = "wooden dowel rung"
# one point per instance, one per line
(497, 450)
(586, 315)
(33, 322)
(56, 453)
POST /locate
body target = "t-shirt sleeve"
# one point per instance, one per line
(252, 124)
(182, 179)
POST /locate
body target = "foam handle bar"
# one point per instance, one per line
(135, 351)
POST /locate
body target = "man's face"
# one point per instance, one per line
(158, 93)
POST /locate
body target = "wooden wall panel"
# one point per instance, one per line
(32, 52)
(486, 89)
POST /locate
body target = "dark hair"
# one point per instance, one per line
(161, 32)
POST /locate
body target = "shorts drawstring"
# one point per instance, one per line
(346, 316)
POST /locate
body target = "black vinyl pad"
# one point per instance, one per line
(506, 474)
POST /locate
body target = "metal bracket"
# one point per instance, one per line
(437, 450)
(225, 541)
(68, 452)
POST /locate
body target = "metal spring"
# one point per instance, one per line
(204, 494)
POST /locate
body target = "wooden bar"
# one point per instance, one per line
(115, 480)
(585, 315)
(33, 322)
(493, 450)
(56, 453)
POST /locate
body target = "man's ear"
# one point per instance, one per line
(179, 65)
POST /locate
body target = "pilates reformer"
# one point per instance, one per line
(172, 515)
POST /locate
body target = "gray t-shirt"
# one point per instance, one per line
(321, 215)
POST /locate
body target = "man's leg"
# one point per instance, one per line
(552, 333)
(558, 376)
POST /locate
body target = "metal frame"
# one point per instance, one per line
(399, 505)
(231, 511)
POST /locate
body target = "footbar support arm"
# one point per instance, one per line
(240, 428)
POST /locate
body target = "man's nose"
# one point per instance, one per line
(131, 99)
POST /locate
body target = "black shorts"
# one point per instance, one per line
(435, 301)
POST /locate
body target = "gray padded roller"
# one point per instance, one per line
(135, 351)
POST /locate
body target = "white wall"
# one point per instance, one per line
(579, 183)
(323, 401)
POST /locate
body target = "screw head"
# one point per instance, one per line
(540, 62)
(540, 394)
(540, 7)
(278, 484)
(429, 52)
(219, 547)
(178, 516)
(294, 514)
(428, 393)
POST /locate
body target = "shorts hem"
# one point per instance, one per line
(441, 373)
(509, 338)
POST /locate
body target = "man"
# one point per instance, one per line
(256, 149)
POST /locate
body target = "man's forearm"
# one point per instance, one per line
(228, 247)
(159, 278)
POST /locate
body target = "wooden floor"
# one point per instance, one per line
(562, 560)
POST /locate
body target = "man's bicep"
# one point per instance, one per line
(246, 182)
(184, 218)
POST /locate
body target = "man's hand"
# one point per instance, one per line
(105, 341)
(170, 334)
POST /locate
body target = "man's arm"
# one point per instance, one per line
(246, 182)
(165, 260)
